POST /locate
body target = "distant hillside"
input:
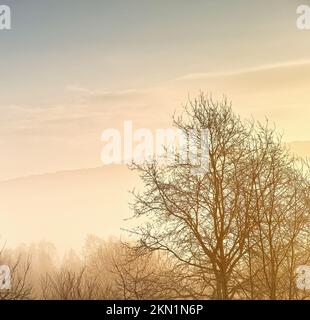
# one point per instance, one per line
(64, 207)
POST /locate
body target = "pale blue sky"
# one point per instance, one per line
(132, 43)
(66, 68)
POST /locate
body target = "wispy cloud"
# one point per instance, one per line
(267, 67)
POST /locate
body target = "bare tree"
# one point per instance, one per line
(70, 285)
(21, 288)
(232, 227)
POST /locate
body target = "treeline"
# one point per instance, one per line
(104, 270)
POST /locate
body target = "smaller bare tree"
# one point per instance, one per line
(21, 288)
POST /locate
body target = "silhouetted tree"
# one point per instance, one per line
(234, 227)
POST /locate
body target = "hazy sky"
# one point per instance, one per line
(70, 69)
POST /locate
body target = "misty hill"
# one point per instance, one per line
(64, 207)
